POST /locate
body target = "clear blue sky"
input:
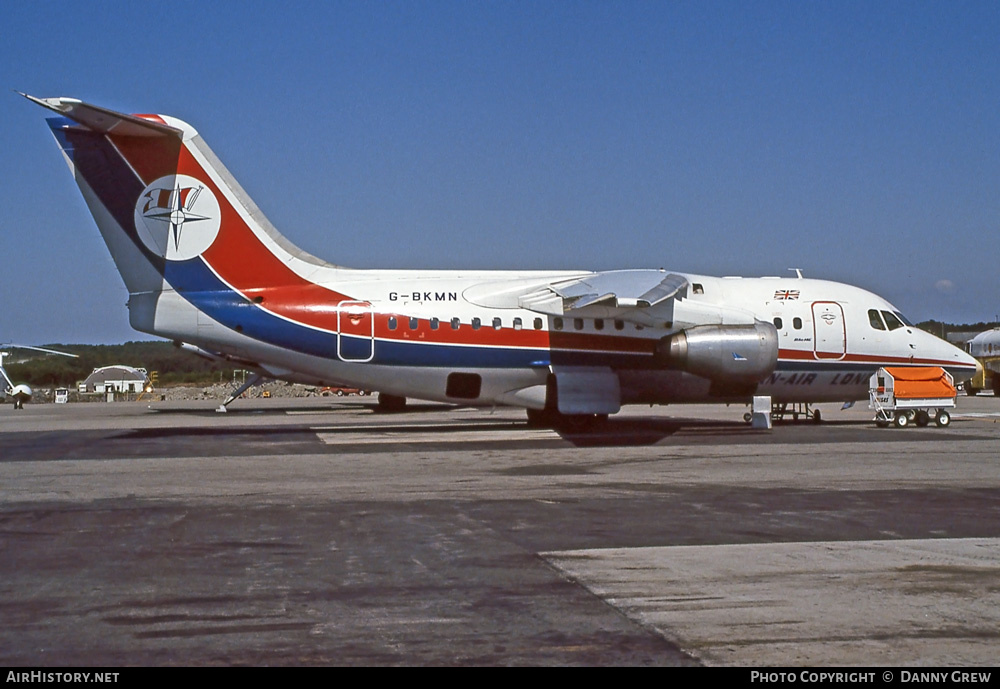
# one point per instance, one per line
(858, 141)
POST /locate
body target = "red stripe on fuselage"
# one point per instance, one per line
(603, 343)
(507, 336)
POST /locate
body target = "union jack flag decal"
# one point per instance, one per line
(785, 294)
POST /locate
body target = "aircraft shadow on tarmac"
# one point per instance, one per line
(615, 432)
(621, 431)
(634, 431)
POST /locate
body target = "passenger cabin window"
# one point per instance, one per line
(697, 288)
(476, 323)
(538, 324)
(517, 324)
(435, 323)
(891, 321)
(414, 323)
(578, 324)
(392, 322)
(875, 319)
(557, 323)
(619, 324)
(455, 323)
(496, 323)
(797, 323)
(778, 323)
(599, 324)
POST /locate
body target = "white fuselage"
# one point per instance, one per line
(831, 337)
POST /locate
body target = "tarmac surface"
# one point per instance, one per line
(316, 531)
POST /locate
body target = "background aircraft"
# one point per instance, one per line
(985, 347)
(20, 392)
(205, 268)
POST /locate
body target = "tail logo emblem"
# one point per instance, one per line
(177, 217)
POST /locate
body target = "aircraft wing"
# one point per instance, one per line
(616, 289)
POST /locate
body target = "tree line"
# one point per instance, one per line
(173, 365)
(943, 329)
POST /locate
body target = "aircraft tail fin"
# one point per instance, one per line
(171, 214)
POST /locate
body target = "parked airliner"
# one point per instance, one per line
(204, 268)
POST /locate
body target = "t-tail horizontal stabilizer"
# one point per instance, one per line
(102, 120)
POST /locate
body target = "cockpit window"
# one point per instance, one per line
(875, 319)
(891, 321)
(903, 318)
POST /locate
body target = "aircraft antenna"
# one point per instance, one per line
(798, 272)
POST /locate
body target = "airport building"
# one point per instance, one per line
(117, 378)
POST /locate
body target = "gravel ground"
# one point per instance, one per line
(217, 391)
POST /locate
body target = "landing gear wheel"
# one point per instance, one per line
(748, 417)
(901, 420)
(943, 419)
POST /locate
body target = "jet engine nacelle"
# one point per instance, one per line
(741, 354)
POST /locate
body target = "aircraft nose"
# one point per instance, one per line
(958, 363)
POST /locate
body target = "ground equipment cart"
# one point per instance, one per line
(904, 395)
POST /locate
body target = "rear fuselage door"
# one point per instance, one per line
(829, 330)
(355, 331)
